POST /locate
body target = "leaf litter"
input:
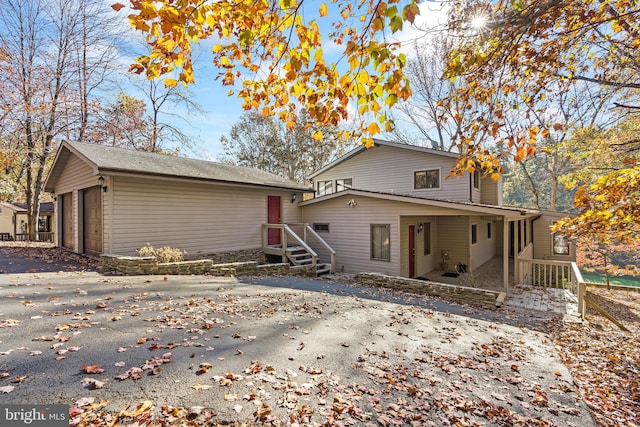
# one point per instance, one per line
(490, 380)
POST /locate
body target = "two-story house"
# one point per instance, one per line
(394, 209)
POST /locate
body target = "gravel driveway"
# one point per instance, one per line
(273, 351)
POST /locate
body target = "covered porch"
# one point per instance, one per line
(476, 249)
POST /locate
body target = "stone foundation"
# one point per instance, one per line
(134, 266)
(462, 294)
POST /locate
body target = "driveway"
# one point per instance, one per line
(272, 350)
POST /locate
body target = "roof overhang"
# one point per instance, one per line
(460, 207)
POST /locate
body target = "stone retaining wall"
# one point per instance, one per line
(149, 266)
(462, 294)
(255, 255)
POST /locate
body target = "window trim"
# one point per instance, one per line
(344, 188)
(474, 234)
(439, 187)
(371, 251)
(325, 192)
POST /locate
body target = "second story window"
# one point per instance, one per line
(324, 187)
(343, 184)
(426, 179)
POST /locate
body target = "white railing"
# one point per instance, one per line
(546, 273)
(287, 235)
(554, 274)
(332, 253)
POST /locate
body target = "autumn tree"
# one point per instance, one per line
(533, 49)
(265, 143)
(607, 185)
(540, 179)
(270, 54)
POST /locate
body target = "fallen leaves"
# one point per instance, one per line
(605, 361)
(92, 369)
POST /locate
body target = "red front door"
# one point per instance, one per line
(273, 217)
(412, 251)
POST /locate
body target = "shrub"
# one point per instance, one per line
(162, 255)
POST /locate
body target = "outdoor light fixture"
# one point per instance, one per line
(101, 183)
(293, 197)
(420, 227)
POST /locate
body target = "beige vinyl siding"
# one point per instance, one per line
(6, 220)
(476, 193)
(196, 217)
(350, 229)
(491, 191)
(542, 238)
(390, 169)
(485, 249)
(454, 236)
(77, 174)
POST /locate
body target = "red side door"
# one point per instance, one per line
(412, 251)
(274, 216)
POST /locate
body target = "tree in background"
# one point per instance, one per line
(265, 143)
(607, 191)
(144, 124)
(431, 121)
(48, 68)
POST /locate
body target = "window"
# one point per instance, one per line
(380, 242)
(474, 234)
(343, 184)
(488, 230)
(321, 227)
(560, 245)
(476, 179)
(426, 179)
(427, 238)
(324, 187)
(44, 224)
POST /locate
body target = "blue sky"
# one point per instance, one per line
(222, 111)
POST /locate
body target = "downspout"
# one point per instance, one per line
(532, 221)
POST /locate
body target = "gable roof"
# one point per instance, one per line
(22, 207)
(104, 159)
(381, 142)
(477, 208)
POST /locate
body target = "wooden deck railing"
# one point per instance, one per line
(553, 274)
(44, 236)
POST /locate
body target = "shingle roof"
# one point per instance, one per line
(110, 159)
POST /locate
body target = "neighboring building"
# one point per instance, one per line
(13, 222)
(392, 208)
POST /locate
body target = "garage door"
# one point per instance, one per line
(92, 225)
(67, 220)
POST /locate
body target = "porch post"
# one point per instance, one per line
(505, 254)
(516, 250)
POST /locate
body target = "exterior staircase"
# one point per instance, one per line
(299, 256)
